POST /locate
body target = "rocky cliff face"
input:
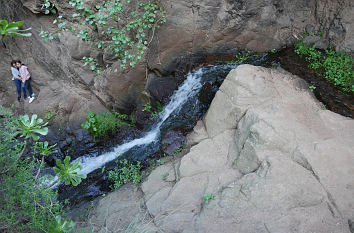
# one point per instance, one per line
(274, 160)
(60, 83)
(65, 87)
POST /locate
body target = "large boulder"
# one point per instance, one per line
(274, 160)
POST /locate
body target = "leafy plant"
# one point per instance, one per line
(312, 87)
(147, 108)
(90, 61)
(339, 69)
(126, 172)
(30, 128)
(312, 55)
(118, 28)
(13, 30)
(164, 176)
(44, 149)
(207, 197)
(159, 106)
(49, 115)
(105, 124)
(25, 204)
(156, 112)
(49, 6)
(320, 33)
(336, 67)
(68, 172)
(180, 149)
(61, 225)
(241, 58)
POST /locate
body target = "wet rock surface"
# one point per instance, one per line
(161, 88)
(172, 141)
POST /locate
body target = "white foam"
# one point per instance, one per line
(189, 88)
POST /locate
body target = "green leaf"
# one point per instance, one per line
(43, 131)
(69, 172)
(15, 24)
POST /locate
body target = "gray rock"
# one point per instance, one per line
(319, 42)
(81, 134)
(310, 29)
(269, 160)
(172, 141)
(274, 160)
(120, 211)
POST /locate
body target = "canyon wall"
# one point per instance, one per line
(193, 27)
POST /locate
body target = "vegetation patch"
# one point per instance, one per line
(336, 67)
(125, 173)
(27, 203)
(122, 29)
(157, 110)
(105, 124)
(207, 197)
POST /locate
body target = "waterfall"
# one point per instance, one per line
(188, 89)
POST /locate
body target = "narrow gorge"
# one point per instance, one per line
(229, 121)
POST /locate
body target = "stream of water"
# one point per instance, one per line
(184, 109)
(186, 93)
(187, 90)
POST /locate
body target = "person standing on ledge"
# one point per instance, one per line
(25, 77)
(17, 79)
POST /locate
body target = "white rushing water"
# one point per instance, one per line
(188, 89)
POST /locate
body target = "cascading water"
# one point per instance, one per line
(187, 105)
(187, 90)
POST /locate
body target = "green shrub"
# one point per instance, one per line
(313, 56)
(123, 29)
(27, 204)
(105, 124)
(337, 67)
(126, 172)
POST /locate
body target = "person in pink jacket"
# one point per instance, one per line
(25, 78)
